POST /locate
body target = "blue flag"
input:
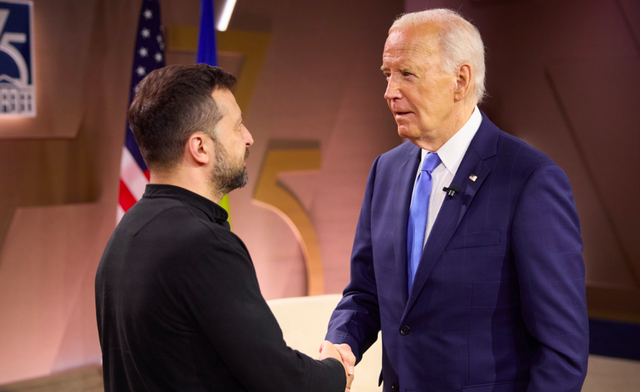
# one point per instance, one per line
(207, 53)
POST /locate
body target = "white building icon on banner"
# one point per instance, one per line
(17, 87)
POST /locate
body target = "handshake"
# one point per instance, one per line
(343, 353)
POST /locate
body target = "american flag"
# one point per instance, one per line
(149, 55)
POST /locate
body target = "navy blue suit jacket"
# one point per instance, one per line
(498, 302)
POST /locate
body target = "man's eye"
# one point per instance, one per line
(407, 74)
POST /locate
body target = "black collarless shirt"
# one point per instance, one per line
(179, 307)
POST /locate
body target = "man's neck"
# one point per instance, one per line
(188, 181)
(432, 142)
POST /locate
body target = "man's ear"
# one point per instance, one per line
(199, 149)
(463, 82)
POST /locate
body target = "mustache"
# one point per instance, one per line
(246, 154)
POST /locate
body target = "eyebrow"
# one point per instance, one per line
(406, 68)
(240, 121)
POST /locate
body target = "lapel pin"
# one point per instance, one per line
(473, 177)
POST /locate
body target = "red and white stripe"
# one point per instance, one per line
(132, 183)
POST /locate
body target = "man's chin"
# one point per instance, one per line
(226, 182)
(405, 132)
(245, 179)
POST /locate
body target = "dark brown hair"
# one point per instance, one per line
(172, 103)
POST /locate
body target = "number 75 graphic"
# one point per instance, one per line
(6, 41)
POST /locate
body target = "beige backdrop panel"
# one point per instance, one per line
(51, 244)
(320, 81)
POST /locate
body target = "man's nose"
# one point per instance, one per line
(248, 139)
(393, 90)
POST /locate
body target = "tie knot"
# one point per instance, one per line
(431, 161)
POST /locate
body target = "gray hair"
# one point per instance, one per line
(459, 40)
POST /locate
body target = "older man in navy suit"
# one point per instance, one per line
(467, 253)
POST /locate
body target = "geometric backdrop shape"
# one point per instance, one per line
(608, 139)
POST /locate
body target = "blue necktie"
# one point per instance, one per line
(418, 214)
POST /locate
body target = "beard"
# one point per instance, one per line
(228, 175)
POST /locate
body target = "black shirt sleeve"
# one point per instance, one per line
(221, 292)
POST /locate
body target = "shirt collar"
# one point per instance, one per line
(214, 212)
(452, 152)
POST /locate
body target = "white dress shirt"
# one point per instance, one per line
(451, 154)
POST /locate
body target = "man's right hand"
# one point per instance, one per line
(347, 356)
(342, 354)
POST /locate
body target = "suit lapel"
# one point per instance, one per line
(453, 209)
(475, 168)
(405, 177)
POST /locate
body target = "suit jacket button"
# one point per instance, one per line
(404, 330)
(395, 386)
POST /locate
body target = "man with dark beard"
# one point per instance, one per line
(177, 298)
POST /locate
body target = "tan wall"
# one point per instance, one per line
(320, 81)
(564, 76)
(59, 172)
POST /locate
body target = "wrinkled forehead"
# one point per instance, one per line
(415, 43)
(413, 51)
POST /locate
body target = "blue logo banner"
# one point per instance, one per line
(17, 87)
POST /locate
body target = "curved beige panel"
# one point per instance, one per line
(252, 45)
(272, 195)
